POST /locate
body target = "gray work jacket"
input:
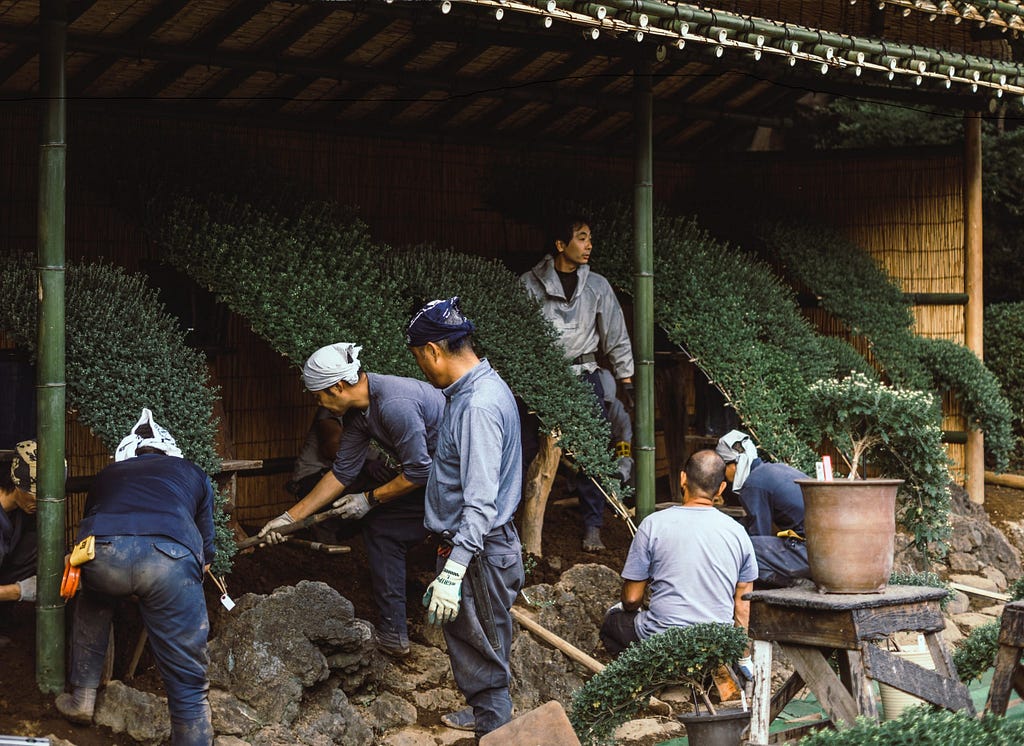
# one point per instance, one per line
(589, 322)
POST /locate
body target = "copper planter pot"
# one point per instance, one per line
(851, 531)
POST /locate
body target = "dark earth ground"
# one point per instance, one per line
(24, 711)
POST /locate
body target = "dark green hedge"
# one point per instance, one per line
(123, 352)
(1004, 355)
(921, 726)
(318, 278)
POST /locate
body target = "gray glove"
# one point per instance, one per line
(28, 589)
(354, 506)
(270, 535)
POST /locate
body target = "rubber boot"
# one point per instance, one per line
(78, 706)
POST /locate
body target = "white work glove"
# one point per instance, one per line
(28, 589)
(443, 595)
(745, 666)
(354, 506)
(270, 535)
(616, 609)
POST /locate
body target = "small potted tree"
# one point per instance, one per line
(851, 522)
(686, 656)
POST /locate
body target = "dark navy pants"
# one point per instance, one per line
(168, 581)
(780, 561)
(591, 498)
(481, 672)
(389, 532)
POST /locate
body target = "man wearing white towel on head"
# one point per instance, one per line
(151, 512)
(401, 415)
(775, 509)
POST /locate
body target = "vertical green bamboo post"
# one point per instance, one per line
(50, 368)
(643, 290)
(974, 308)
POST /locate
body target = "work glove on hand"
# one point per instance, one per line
(270, 535)
(627, 396)
(28, 589)
(444, 594)
(745, 666)
(354, 506)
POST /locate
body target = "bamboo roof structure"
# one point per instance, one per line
(520, 70)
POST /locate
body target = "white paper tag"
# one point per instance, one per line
(227, 602)
(819, 471)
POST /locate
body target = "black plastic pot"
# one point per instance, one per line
(724, 729)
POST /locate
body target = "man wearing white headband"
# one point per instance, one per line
(774, 504)
(151, 513)
(401, 415)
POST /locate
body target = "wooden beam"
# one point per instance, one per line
(21, 56)
(1015, 481)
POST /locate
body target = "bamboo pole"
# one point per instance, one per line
(974, 309)
(643, 291)
(50, 388)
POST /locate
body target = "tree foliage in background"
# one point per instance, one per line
(864, 124)
(318, 278)
(1004, 355)
(857, 292)
(123, 352)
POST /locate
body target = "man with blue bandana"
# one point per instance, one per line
(401, 415)
(474, 489)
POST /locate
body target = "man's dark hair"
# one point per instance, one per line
(455, 346)
(705, 472)
(564, 228)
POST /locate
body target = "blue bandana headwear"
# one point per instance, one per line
(438, 320)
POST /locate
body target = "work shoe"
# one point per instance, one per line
(592, 539)
(460, 720)
(75, 710)
(393, 646)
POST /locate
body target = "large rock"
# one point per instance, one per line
(976, 544)
(274, 647)
(574, 607)
(541, 673)
(141, 715)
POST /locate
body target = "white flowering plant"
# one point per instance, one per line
(896, 434)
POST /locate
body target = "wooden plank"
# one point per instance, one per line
(814, 627)
(980, 591)
(941, 658)
(786, 693)
(235, 464)
(859, 684)
(761, 700)
(1007, 665)
(1011, 628)
(931, 686)
(791, 735)
(876, 624)
(822, 680)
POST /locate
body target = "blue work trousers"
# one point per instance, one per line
(389, 532)
(167, 579)
(591, 498)
(481, 672)
(780, 561)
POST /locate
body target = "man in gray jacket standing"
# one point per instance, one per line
(588, 318)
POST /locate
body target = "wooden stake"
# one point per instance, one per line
(539, 479)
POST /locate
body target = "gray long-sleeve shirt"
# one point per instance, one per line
(589, 322)
(403, 416)
(476, 482)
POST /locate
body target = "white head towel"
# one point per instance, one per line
(737, 446)
(330, 364)
(146, 434)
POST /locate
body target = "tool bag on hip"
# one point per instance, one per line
(82, 552)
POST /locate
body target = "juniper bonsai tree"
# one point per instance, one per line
(123, 353)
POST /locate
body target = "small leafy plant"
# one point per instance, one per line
(684, 656)
(923, 726)
(900, 434)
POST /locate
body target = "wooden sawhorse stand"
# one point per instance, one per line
(809, 626)
(1009, 673)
